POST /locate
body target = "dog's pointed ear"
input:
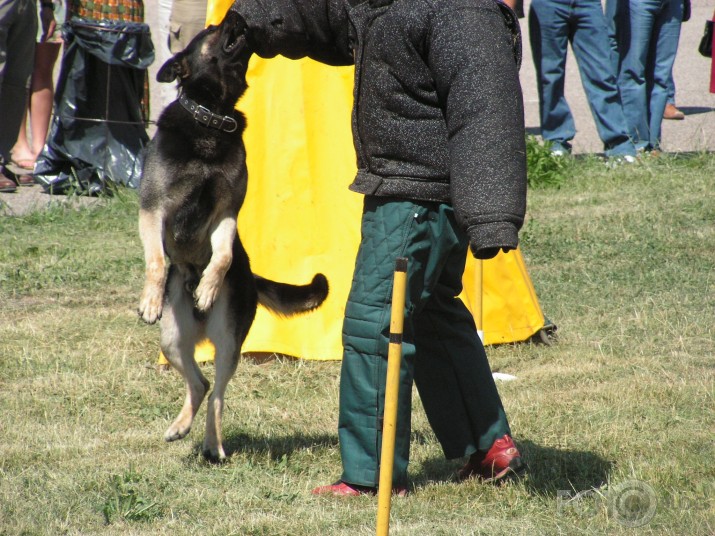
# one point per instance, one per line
(173, 68)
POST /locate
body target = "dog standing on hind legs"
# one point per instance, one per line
(193, 184)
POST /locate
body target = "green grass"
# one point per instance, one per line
(545, 169)
(622, 260)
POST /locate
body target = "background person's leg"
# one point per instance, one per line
(549, 33)
(664, 46)
(634, 27)
(188, 18)
(593, 54)
(18, 26)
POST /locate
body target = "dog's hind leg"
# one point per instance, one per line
(180, 332)
(221, 330)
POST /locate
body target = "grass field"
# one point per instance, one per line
(616, 419)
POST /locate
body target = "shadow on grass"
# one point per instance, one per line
(548, 469)
(275, 446)
(551, 469)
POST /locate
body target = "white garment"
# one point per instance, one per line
(166, 92)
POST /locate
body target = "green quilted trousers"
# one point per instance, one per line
(441, 350)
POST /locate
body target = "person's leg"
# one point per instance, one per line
(18, 26)
(424, 233)
(452, 373)
(21, 152)
(635, 24)
(671, 88)
(27, 148)
(664, 46)
(549, 32)
(590, 46)
(42, 93)
(671, 110)
(611, 12)
(166, 92)
(387, 228)
(6, 14)
(188, 18)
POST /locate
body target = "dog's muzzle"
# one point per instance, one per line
(206, 117)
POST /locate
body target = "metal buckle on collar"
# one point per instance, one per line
(231, 122)
(219, 122)
(203, 115)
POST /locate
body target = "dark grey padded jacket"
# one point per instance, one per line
(438, 112)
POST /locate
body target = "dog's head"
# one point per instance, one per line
(213, 66)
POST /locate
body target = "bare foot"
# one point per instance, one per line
(23, 159)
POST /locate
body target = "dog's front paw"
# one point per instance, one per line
(206, 292)
(151, 304)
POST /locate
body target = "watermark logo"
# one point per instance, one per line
(632, 503)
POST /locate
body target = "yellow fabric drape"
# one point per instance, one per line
(299, 217)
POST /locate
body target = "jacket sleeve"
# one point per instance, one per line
(318, 29)
(472, 53)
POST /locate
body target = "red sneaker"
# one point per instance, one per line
(501, 460)
(343, 489)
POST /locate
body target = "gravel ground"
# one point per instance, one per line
(695, 133)
(31, 198)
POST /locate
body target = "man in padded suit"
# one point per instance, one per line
(438, 130)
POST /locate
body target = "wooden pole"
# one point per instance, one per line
(392, 387)
(478, 302)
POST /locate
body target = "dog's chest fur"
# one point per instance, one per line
(203, 181)
(207, 196)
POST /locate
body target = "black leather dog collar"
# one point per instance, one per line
(206, 117)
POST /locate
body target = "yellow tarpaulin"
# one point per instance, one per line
(299, 217)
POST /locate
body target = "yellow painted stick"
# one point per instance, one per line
(478, 301)
(392, 387)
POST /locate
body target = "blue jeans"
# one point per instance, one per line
(646, 34)
(552, 25)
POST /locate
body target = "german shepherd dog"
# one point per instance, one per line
(193, 184)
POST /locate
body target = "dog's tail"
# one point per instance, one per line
(286, 300)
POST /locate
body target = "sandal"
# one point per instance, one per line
(26, 164)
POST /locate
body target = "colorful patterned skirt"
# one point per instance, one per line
(120, 10)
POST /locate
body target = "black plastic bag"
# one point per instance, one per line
(98, 133)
